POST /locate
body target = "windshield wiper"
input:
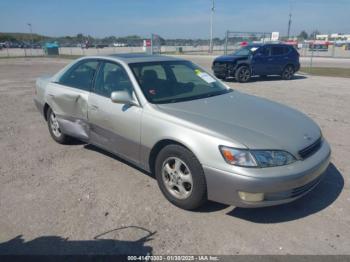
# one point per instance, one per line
(183, 99)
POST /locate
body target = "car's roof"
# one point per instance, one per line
(142, 57)
(266, 44)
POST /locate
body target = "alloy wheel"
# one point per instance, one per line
(177, 178)
(288, 72)
(244, 74)
(54, 125)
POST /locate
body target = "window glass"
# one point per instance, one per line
(80, 76)
(247, 50)
(287, 49)
(112, 77)
(277, 50)
(266, 51)
(158, 69)
(183, 81)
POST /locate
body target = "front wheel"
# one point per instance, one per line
(180, 177)
(243, 74)
(288, 72)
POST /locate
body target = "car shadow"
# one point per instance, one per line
(318, 199)
(59, 246)
(321, 197)
(267, 79)
(111, 155)
(211, 206)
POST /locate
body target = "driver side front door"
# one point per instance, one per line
(114, 127)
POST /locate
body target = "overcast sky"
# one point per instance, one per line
(171, 18)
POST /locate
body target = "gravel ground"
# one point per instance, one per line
(66, 199)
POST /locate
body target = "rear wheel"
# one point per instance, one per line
(288, 72)
(243, 74)
(54, 128)
(180, 177)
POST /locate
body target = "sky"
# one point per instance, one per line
(172, 18)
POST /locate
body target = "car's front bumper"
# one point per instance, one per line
(292, 182)
(223, 69)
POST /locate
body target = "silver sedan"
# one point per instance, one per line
(201, 139)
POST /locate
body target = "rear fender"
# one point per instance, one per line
(71, 108)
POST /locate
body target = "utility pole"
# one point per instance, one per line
(211, 27)
(31, 37)
(290, 20)
(31, 33)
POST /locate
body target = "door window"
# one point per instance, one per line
(278, 50)
(80, 76)
(112, 77)
(266, 51)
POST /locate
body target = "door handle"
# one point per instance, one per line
(51, 95)
(93, 107)
(269, 59)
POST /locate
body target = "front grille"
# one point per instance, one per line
(219, 66)
(311, 149)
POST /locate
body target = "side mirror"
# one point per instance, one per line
(123, 97)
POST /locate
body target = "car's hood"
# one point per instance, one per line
(229, 58)
(255, 122)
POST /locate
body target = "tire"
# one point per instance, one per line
(243, 74)
(288, 72)
(180, 177)
(54, 128)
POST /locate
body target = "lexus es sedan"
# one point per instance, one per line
(201, 139)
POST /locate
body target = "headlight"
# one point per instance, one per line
(238, 157)
(272, 158)
(256, 158)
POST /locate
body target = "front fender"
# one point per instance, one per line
(203, 145)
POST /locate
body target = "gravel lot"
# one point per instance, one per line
(65, 198)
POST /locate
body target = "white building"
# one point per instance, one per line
(334, 37)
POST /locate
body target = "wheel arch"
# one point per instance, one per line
(45, 108)
(158, 147)
(289, 64)
(245, 63)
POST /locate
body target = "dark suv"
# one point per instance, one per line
(258, 60)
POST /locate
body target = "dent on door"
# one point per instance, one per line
(71, 112)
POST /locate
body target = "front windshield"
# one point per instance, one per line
(247, 50)
(175, 81)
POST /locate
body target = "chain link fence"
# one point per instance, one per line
(235, 40)
(231, 42)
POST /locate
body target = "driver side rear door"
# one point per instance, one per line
(68, 98)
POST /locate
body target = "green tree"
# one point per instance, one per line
(314, 33)
(303, 35)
